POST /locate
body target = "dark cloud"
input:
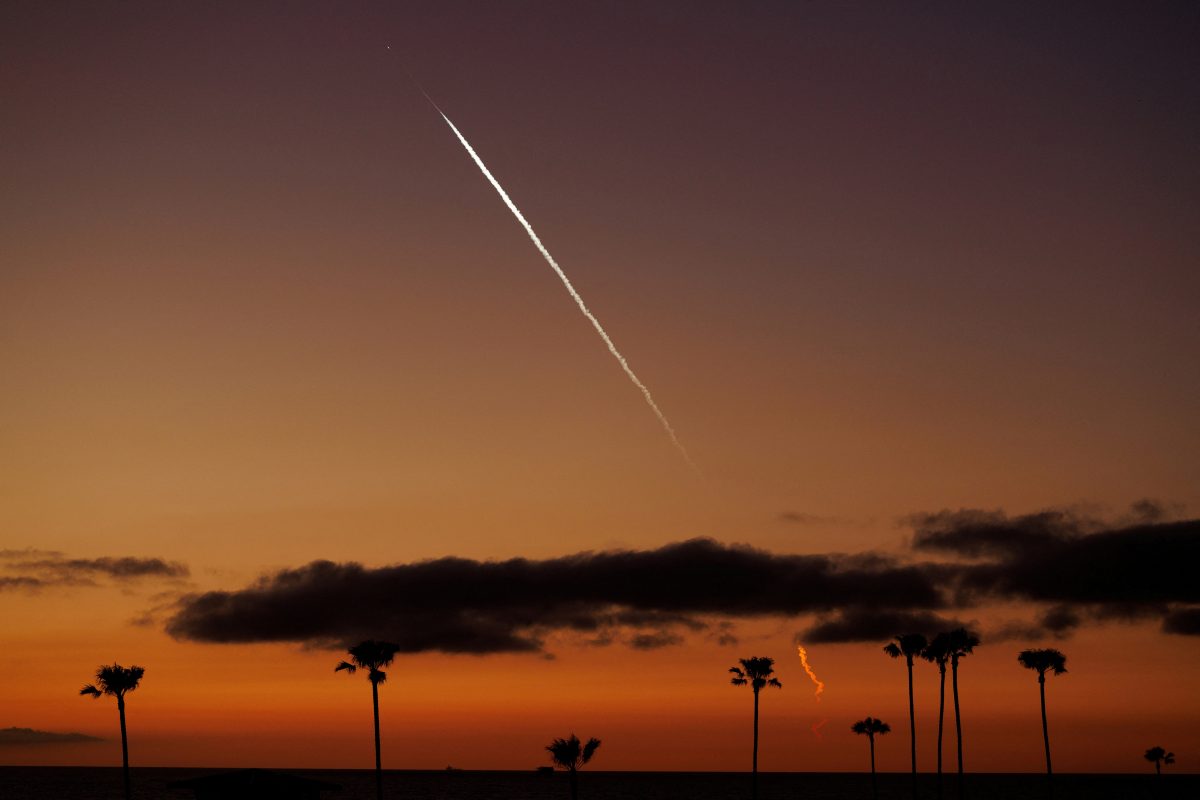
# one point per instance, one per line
(27, 736)
(1060, 620)
(459, 605)
(980, 534)
(35, 569)
(1072, 568)
(1081, 568)
(863, 625)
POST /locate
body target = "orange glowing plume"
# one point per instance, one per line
(812, 675)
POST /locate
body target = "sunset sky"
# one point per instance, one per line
(915, 284)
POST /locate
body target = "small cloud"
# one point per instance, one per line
(26, 736)
(802, 518)
(33, 569)
(653, 641)
(28, 553)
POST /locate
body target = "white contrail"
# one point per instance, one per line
(612, 348)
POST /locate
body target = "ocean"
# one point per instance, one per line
(150, 783)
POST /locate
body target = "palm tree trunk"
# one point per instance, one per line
(754, 760)
(574, 785)
(912, 728)
(941, 722)
(124, 747)
(957, 723)
(1045, 729)
(1157, 768)
(874, 785)
(378, 760)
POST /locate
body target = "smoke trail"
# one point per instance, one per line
(816, 728)
(612, 348)
(812, 675)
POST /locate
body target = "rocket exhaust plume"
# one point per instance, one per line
(812, 675)
(612, 348)
(816, 728)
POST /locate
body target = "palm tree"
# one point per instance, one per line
(372, 656)
(568, 754)
(962, 643)
(909, 645)
(938, 652)
(871, 726)
(117, 681)
(1159, 757)
(757, 671)
(1041, 661)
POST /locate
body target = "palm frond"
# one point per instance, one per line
(589, 749)
(345, 665)
(92, 690)
(1043, 660)
(565, 752)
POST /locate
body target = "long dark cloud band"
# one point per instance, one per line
(459, 605)
(1074, 568)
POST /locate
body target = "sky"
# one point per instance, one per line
(914, 284)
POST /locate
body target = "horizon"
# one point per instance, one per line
(913, 290)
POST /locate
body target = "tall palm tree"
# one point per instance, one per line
(962, 643)
(372, 656)
(1043, 661)
(570, 755)
(871, 726)
(117, 681)
(758, 671)
(938, 652)
(910, 646)
(1159, 757)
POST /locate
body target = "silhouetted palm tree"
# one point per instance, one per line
(372, 656)
(1159, 757)
(962, 643)
(758, 672)
(910, 646)
(570, 755)
(117, 681)
(938, 652)
(1041, 661)
(871, 726)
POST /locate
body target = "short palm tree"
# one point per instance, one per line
(571, 754)
(1159, 756)
(372, 656)
(871, 726)
(961, 643)
(910, 646)
(758, 671)
(1043, 661)
(938, 652)
(117, 681)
